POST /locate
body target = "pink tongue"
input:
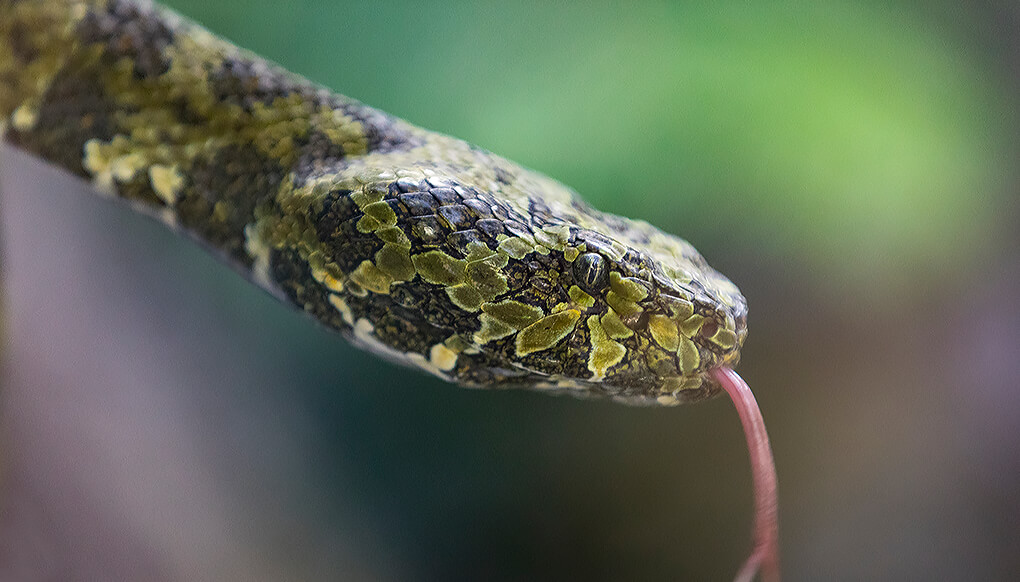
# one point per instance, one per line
(765, 554)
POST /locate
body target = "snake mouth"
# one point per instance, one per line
(729, 360)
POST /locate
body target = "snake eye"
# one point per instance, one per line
(591, 272)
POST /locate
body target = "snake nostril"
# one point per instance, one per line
(637, 322)
(709, 328)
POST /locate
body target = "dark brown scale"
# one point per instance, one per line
(457, 216)
(337, 228)
(245, 83)
(550, 361)
(238, 179)
(543, 287)
(404, 328)
(404, 185)
(489, 369)
(382, 132)
(479, 207)
(540, 214)
(595, 241)
(446, 196)
(291, 273)
(433, 306)
(515, 228)
(420, 203)
(76, 110)
(578, 347)
(427, 231)
(463, 193)
(462, 241)
(491, 228)
(337, 208)
(131, 32)
(320, 155)
(501, 212)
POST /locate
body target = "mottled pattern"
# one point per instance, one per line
(415, 245)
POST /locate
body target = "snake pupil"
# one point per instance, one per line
(591, 272)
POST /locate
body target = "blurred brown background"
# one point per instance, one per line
(852, 167)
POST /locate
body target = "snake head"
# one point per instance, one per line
(486, 274)
(653, 317)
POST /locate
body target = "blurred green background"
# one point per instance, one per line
(851, 166)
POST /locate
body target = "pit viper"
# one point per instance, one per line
(419, 247)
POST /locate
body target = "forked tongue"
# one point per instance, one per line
(764, 556)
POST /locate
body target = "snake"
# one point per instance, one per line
(414, 245)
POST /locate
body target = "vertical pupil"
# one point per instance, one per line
(590, 270)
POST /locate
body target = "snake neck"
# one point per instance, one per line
(155, 110)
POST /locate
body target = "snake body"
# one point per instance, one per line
(417, 246)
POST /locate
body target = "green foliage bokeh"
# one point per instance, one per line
(858, 140)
